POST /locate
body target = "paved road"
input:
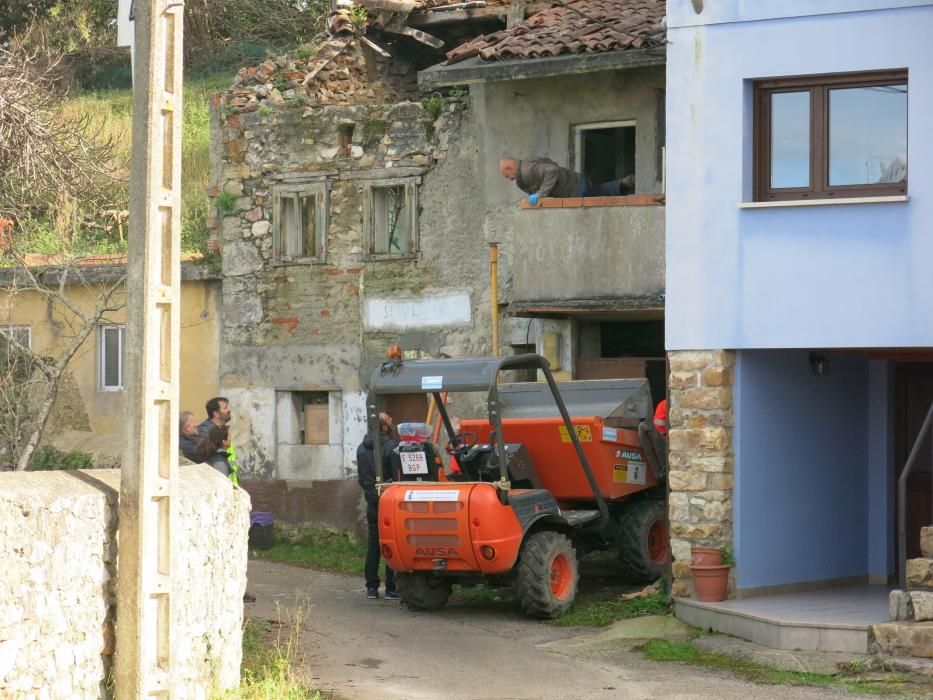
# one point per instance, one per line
(378, 650)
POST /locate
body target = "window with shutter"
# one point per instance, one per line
(390, 218)
(299, 223)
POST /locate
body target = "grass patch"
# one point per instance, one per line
(111, 113)
(320, 548)
(598, 610)
(269, 649)
(679, 651)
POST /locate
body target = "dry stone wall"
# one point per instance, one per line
(58, 569)
(701, 456)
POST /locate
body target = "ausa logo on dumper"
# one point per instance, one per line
(436, 552)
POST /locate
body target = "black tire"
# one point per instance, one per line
(420, 590)
(641, 524)
(547, 575)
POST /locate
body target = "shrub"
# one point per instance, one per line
(48, 458)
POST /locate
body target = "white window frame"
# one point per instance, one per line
(12, 329)
(410, 185)
(287, 245)
(102, 356)
(578, 129)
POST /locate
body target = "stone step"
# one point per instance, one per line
(920, 573)
(926, 541)
(901, 639)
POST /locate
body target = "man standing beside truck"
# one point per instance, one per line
(366, 476)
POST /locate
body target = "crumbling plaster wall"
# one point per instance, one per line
(304, 327)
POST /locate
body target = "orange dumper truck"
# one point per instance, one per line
(553, 472)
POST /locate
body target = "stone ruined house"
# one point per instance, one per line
(357, 200)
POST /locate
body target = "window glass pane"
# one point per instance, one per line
(790, 139)
(868, 135)
(111, 357)
(288, 225)
(310, 247)
(391, 220)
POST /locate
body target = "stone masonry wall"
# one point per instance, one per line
(701, 455)
(303, 327)
(58, 555)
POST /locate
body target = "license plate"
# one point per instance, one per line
(414, 463)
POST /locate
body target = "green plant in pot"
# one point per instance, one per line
(711, 581)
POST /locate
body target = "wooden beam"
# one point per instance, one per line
(501, 13)
(516, 13)
(475, 70)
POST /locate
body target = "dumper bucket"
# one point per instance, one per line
(617, 401)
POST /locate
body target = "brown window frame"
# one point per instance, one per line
(818, 86)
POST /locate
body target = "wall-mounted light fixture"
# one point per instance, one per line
(819, 365)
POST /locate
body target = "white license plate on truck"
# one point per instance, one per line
(414, 463)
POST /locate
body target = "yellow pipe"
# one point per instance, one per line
(494, 275)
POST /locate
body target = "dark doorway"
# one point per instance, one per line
(913, 396)
(407, 408)
(608, 154)
(627, 350)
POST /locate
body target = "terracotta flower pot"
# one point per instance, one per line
(706, 556)
(711, 583)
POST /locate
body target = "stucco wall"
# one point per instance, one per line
(200, 348)
(809, 488)
(784, 277)
(58, 556)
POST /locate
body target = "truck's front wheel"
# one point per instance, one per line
(547, 575)
(420, 590)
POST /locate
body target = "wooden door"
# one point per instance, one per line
(914, 394)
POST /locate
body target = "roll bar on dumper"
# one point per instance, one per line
(453, 375)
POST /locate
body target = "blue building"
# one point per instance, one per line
(799, 309)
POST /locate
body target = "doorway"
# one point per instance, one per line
(913, 397)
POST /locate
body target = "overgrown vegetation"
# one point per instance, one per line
(269, 659)
(685, 652)
(49, 458)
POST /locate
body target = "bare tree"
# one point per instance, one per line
(45, 155)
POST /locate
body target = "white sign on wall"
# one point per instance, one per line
(442, 309)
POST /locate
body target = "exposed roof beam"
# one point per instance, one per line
(475, 70)
(439, 16)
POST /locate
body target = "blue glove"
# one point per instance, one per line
(533, 199)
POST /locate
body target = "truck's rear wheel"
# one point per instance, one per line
(420, 590)
(644, 540)
(547, 575)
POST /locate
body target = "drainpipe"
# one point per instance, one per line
(494, 280)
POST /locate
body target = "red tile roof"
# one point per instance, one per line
(575, 26)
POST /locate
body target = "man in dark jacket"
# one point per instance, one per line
(188, 435)
(366, 476)
(542, 177)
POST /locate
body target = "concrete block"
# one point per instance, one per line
(902, 639)
(921, 603)
(926, 541)
(920, 573)
(900, 606)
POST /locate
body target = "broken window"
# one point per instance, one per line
(110, 350)
(14, 342)
(308, 417)
(605, 152)
(11, 336)
(390, 210)
(299, 223)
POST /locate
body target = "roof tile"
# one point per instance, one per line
(572, 27)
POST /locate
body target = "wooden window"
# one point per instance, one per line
(831, 136)
(110, 355)
(390, 218)
(299, 223)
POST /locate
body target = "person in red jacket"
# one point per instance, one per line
(660, 418)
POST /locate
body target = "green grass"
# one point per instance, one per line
(111, 114)
(680, 651)
(320, 548)
(598, 610)
(268, 662)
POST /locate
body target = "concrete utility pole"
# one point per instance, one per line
(145, 657)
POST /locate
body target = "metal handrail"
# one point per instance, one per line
(902, 499)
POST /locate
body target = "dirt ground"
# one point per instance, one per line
(361, 649)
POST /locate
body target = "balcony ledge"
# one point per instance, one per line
(631, 200)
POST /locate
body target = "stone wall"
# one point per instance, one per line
(300, 327)
(701, 454)
(58, 561)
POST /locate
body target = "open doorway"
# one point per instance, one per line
(625, 350)
(913, 397)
